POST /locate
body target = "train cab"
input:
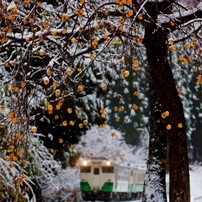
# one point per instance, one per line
(96, 178)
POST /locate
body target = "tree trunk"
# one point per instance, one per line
(165, 88)
(156, 169)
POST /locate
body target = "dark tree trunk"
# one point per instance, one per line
(165, 88)
(156, 168)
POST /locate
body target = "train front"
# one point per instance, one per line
(96, 179)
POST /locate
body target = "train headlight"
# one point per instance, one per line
(85, 163)
(108, 163)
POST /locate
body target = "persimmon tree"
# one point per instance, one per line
(58, 60)
(52, 78)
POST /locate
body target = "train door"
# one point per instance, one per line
(96, 179)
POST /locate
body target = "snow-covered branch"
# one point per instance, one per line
(180, 18)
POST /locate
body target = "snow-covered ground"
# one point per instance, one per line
(196, 183)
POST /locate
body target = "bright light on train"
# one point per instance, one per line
(108, 163)
(85, 163)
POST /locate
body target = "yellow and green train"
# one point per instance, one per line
(103, 180)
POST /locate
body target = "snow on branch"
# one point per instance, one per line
(181, 18)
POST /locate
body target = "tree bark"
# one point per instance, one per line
(156, 165)
(165, 88)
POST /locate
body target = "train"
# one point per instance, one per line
(104, 180)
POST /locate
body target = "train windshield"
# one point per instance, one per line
(85, 169)
(107, 169)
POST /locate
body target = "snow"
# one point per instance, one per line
(190, 2)
(65, 185)
(196, 182)
(166, 19)
(11, 6)
(98, 143)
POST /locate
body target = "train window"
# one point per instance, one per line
(85, 169)
(96, 171)
(107, 169)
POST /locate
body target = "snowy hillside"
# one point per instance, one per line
(109, 143)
